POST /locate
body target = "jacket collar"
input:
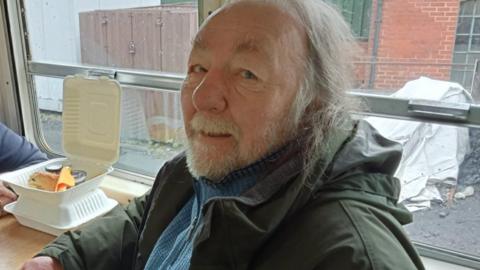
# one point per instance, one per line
(234, 228)
(253, 216)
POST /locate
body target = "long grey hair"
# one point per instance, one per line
(321, 106)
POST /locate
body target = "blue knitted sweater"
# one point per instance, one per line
(173, 249)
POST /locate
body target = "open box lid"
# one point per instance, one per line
(91, 119)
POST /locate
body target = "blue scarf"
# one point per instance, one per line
(173, 248)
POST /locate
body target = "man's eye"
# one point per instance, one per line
(197, 69)
(247, 74)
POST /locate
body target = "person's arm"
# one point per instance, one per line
(6, 197)
(16, 152)
(107, 243)
(42, 263)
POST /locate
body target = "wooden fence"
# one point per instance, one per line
(154, 38)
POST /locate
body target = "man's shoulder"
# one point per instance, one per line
(174, 169)
(320, 234)
(340, 234)
(324, 224)
(174, 172)
(359, 225)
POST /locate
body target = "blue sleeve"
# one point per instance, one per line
(16, 152)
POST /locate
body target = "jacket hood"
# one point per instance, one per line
(362, 169)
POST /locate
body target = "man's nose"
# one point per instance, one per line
(209, 95)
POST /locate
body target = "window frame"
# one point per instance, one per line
(18, 53)
(466, 69)
(10, 113)
(383, 106)
(350, 9)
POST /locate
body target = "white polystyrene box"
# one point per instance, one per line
(91, 121)
(91, 138)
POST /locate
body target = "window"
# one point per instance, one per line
(357, 14)
(467, 43)
(176, 1)
(438, 176)
(402, 72)
(150, 37)
(409, 50)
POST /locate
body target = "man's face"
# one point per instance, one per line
(243, 74)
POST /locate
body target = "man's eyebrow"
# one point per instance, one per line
(255, 47)
(250, 45)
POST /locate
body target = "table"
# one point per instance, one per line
(19, 243)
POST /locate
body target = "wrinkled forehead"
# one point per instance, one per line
(253, 14)
(257, 26)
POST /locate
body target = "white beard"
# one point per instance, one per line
(207, 161)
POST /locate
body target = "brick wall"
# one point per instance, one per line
(362, 70)
(416, 39)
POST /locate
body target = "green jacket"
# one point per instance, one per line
(344, 216)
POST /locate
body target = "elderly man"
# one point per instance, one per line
(278, 175)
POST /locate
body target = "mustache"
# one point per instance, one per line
(214, 125)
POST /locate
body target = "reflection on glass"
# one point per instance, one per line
(461, 43)
(468, 77)
(151, 124)
(476, 27)
(464, 25)
(440, 181)
(472, 57)
(136, 34)
(457, 75)
(149, 35)
(459, 58)
(475, 44)
(152, 130)
(401, 48)
(466, 7)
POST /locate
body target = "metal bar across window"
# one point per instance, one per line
(163, 81)
(378, 105)
(461, 114)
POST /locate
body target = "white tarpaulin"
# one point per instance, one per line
(432, 153)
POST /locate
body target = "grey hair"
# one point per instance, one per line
(322, 105)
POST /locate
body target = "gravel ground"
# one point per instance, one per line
(453, 225)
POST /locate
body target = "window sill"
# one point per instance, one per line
(122, 190)
(432, 264)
